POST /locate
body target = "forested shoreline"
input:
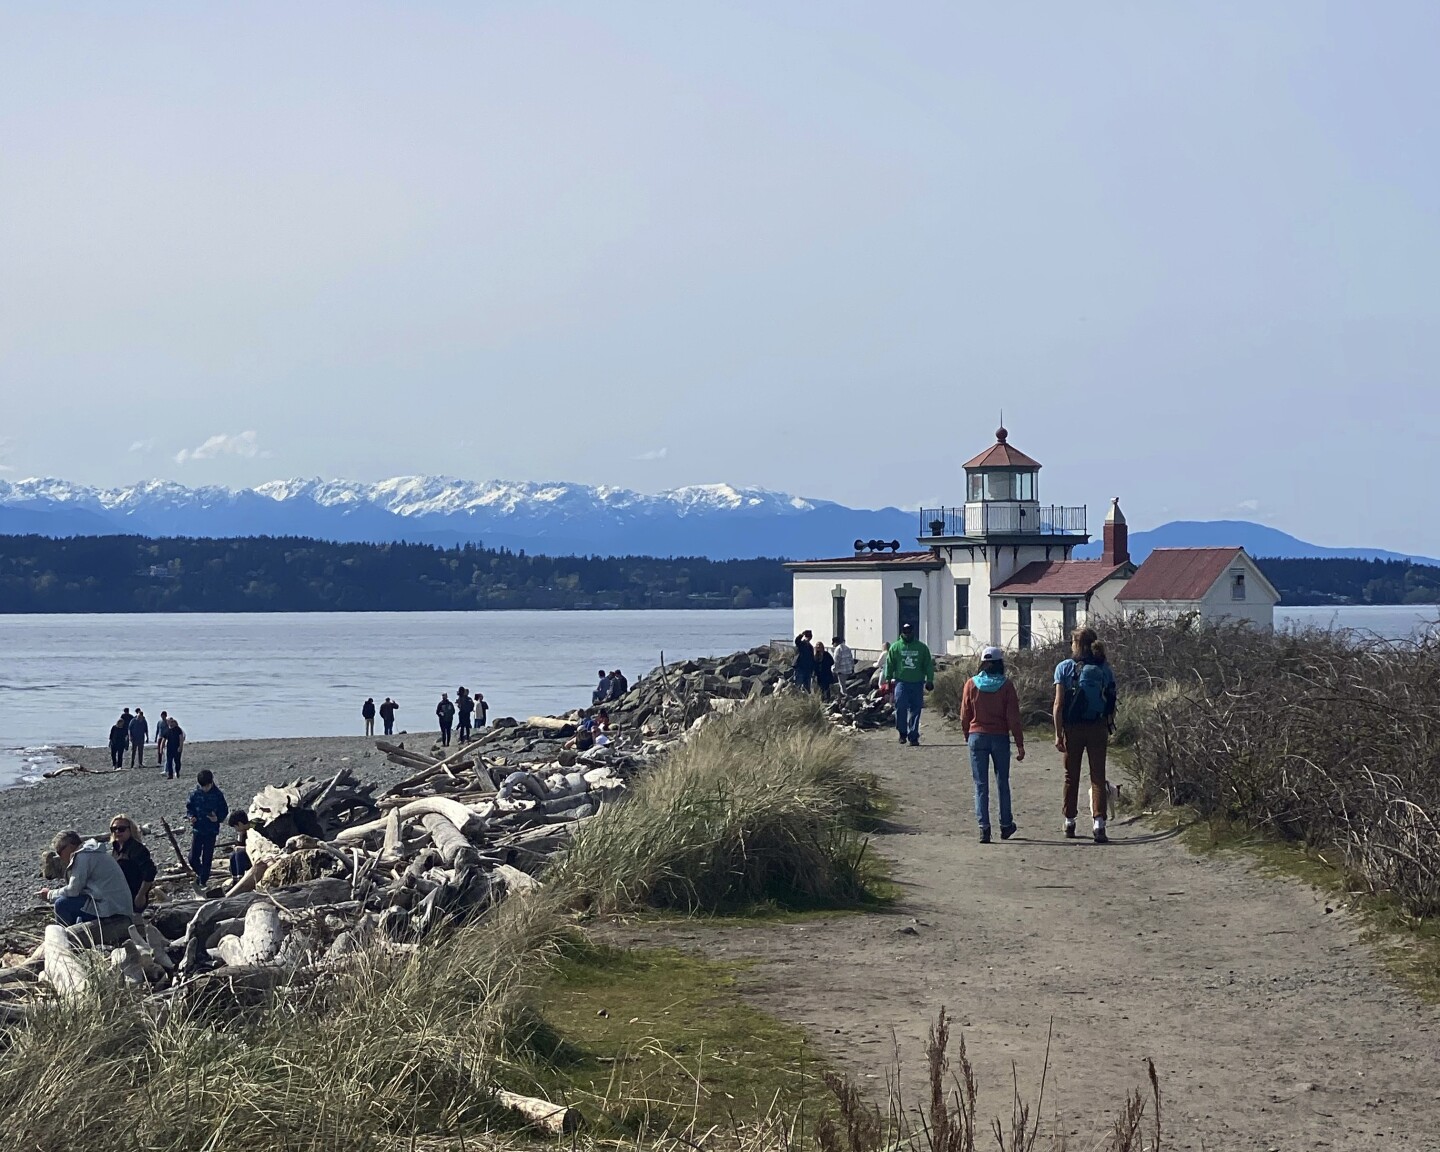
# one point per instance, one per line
(40, 574)
(294, 574)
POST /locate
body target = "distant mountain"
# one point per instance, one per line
(1257, 539)
(715, 520)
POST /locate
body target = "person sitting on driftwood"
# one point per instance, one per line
(95, 903)
(252, 856)
(129, 851)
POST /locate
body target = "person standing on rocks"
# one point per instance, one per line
(160, 730)
(911, 670)
(367, 713)
(119, 737)
(139, 738)
(206, 809)
(466, 708)
(824, 670)
(482, 710)
(989, 716)
(1084, 716)
(804, 660)
(173, 737)
(445, 712)
(387, 714)
(844, 662)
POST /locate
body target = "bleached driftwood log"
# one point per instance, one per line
(259, 942)
(65, 970)
(555, 1118)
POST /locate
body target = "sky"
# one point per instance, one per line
(1192, 250)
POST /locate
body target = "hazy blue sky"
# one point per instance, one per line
(1192, 249)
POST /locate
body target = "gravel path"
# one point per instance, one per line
(30, 815)
(1272, 1025)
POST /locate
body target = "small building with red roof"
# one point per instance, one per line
(1000, 570)
(1214, 583)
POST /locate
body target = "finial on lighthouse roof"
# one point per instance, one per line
(1115, 516)
(1001, 435)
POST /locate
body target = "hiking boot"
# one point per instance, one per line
(914, 742)
(1008, 830)
(902, 738)
(1100, 837)
(1070, 830)
(985, 835)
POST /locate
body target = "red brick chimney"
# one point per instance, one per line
(1117, 536)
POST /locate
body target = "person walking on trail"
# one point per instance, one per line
(160, 729)
(172, 737)
(445, 711)
(387, 714)
(989, 717)
(207, 810)
(139, 738)
(128, 850)
(95, 891)
(824, 670)
(804, 667)
(1084, 716)
(844, 662)
(911, 672)
(119, 737)
(367, 712)
(465, 706)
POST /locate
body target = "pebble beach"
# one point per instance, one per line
(31, 814)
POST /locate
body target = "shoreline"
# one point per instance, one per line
(31, 813)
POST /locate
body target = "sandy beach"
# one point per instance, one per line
(30, 815)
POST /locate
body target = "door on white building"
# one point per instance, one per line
(907, 601)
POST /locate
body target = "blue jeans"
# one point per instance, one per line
(985, 749)
(202, 855)
(803, 677)
(71, 910)
(909, 701)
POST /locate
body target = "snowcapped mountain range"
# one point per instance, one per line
(715, 520)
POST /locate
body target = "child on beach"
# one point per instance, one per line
(206, 809)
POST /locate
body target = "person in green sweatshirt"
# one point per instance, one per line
(911, 670)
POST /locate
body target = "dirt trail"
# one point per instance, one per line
(1271, 1024)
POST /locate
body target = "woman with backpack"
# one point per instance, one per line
(989, 716)
(1084, 716)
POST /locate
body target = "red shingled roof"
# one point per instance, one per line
(926, 559)
(1001, 455)
(1178, 573)
(1059, 578)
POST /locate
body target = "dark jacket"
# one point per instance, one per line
(804, 655)
(825, 668)
(118, 737)
(466, 706)
(367, 710)
(202, 805)
(387, 710)
(139, 730)
(135, 862)
(446, 711)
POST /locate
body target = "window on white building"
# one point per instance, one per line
(1237, 586)
(1024, 637)
(1069, 615)
(962, 606)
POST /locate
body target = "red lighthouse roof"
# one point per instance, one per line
(1002, 455)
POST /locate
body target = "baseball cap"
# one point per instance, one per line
(907, 627)
(993, 653)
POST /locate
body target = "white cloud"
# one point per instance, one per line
(1249, 505)
(143, 446)
(654, 454)
(243, 444)
(7, 444)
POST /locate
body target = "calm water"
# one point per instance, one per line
(64, 679)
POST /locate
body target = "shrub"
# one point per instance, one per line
(755, 807)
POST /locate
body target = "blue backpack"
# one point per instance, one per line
(1091, 694)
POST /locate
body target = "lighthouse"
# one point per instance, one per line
(997, 569)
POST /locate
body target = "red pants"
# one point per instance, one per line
(1080, 740)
